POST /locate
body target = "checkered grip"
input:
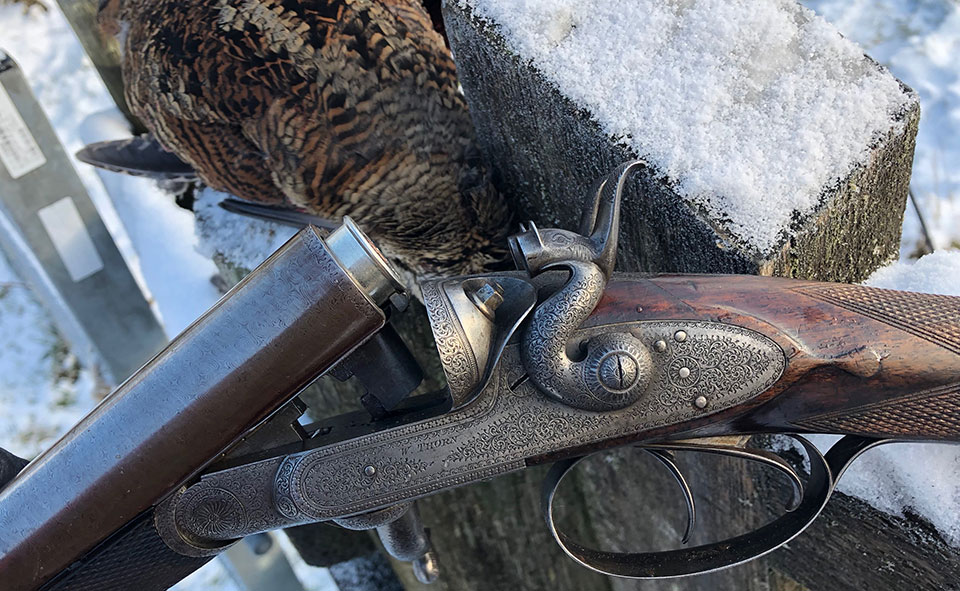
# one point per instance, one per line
(929, 414)
(135, 559)
(935, 318)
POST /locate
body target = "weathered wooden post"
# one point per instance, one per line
(103, 50)
(548, 147)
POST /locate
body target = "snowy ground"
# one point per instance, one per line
(43, 389)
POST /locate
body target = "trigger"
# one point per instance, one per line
(716, 446)
(715, 555)
(666, 458)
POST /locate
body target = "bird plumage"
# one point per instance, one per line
(336, 107)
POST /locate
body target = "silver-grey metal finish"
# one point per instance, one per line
(615, 370)
(90, 293)
(286, 323)
(665, 457)
(759, 456)
(405, 537)
(426, 568)
(374, 519)
(472, 319)
(825, 472)
(508, 423)
(363, 262)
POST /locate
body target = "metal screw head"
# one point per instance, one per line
(684, 372)
(680, 336)
(369, 470)
(487, 298)
(700, 402)
(660, 346)
(618, 371)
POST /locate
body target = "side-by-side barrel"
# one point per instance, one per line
(300, 312)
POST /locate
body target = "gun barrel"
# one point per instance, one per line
(305, 308)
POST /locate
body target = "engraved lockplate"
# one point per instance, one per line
(469, 343)
(509, 422)
(459, 362)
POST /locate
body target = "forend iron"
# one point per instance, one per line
(553, 362)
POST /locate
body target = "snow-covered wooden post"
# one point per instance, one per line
(775, 147)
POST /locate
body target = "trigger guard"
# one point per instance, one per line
(708, 557)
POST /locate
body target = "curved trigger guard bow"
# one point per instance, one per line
(825, 471)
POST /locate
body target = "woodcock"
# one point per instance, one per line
(333, 107)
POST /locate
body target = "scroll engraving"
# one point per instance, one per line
(732, 365)
(509, 422)
(457, 360)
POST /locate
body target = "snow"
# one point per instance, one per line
(55, 71)
(43, 388)
(241, 241)
(919, 40)
(157, 241)
(162, 234)
(935, 273)
(751, 108)
(923, 478)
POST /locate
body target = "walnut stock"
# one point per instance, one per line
(861, 360)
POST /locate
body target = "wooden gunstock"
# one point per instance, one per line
(860, 360)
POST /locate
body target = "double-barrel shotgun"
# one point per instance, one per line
(553, 362)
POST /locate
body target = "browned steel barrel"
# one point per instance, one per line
(294, 317)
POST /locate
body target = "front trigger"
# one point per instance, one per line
(733, 446)
(665, 457)
(736, 447)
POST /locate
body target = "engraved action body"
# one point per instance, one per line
(553, 362)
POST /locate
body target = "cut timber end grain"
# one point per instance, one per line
(756, 115)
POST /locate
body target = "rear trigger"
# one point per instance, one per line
(724, 553)
(666, 458)
(736, 447)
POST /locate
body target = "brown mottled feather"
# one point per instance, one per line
(339, 107)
